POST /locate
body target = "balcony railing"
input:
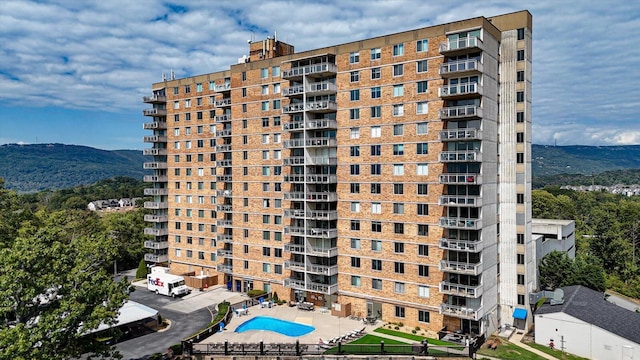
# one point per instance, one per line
(460, 267)
(312, 214)
(312, 232)
(224, 222)
(461, 312)
(223, 178)
(224, 208)
(154, 99)
(295, 283)
(154, 112)
(224, 253)
(314, 160)
(310, 142)
(320, 69)
(156, 232)
(322, 252)
(223, 147)
(155, 205)
(294, 248)
(155, 125)
(223, 163)
(460, 112)
(461, 223)
(460, 67)
(322, 269)
(320, 88)
(156, 245)
(223, 133)
(155, 178)
(155, 165)
(156, 218)
(224, 238)
(461, 156)
(462, 134)
(315, 106)
(457, 90)
(456, 178)
(461, 44)
(461, 245)
(310, 286)
(154, 152)
(156, 191)
(223, 118)
(453, 200)
(311, 196)
(155, 258)
(317, 179)
(225, 193)
(310, 124)
(223, 102)
(155, 139)
(294, 265)
(461, 290)
(223, 268)
(223, 87)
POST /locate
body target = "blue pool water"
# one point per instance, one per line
(276, 325)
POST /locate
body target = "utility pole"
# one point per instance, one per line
(562, 343)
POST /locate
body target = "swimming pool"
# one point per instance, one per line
(276, 325)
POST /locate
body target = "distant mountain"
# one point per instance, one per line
(587, 160)
(30, 168)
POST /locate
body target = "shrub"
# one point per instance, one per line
(141, 273)
(417, 328)
(397, 328)
(400, 324)
(255, 292)
(275, 297)
(176, 349)
(413, 331)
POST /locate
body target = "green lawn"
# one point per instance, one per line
(556, 353)
(413, 337)
(372, 339)
(370, 344)
(508, 351)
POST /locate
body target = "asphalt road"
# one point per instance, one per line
(182, 325)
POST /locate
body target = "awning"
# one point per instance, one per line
(520, 314)
(130, 312)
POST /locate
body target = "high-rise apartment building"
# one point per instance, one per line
(388, 175)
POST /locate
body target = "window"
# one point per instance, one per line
(520, 158)
(520, 299)
(354, 133)
(189, 253)
(266, 251)
(355, 76)
(398, 90)
(398, 70)
(422, 148)
(265, 89)
(376, 265)
(355, 95)
(266, 268)
(275, 71)
(423, 250)
(398, 267)
(266, 171)
(520, 55)
(354, 114)
(375, 54)
(277, 154)
(176, 104)
(375, 92)
(398, 287)
(376, 284)
(375, 150)
(520, 259)
(520, 137)
(355, 188)
(244, 92)
(398, 169)
(398, 130)
(422, 107)
(265, 138)
(376, 169)
(375, 112)
(422, 66)
(355, 169)
(276, 88)
(375, 131)
(244, 75)
(521, 34)
(520, 279)
(354, 58)
(376, 226)
(520, 96)
(175, 91)
(187, 103)
(375, 188)
(423, 316)
(398, 189)
(398, 149)
(398, 247)
(187, 89)
(398, 49)
(520, 238)
(422, 169)
(520, 76)
(376, 73)
(355, 262)
(266, 235)
(398, 228)
(422, 209)
(264, 73)
(520, 198)
(422, 45)
(355, 225)
(422, 128)
(400, 309)
(520, 116)
(423, 270)
(276, 121)
(244, 123)
(376, 208)
(265, 106)
(422, 87)
(354, 151)
(355, 206)
(376, 245)
(423, 230)
(276, 104)
(355, 280)
(355, 244)
(398, 208)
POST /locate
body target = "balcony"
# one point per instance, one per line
(223, 118)
(461, 134)
(154, 152)
(461, 46)
(461, 156)
(310, 286)
(460, 179)
(461, 112)
(310, 142)
(460, 267)
(294, 265)
(312, 106)
(156, 245)
(315, 160)
(322, 252)
(454, 200)
(311, 214)
(224, 193)
(222, 87)
(155, 125)
(155, 139)
(154, 99)
(223, 163)
(224, 268)
(312, 232)
(156, 232)
(155, 165)
(155, 258)
(156, 191)
(461, 245)
(224, 102)
(310, 124)
(461, 68)
(461, 312)
(156, 205)
(156, 218)
(223, 133)
(225, 253)
(294, 248)
(154, 112)
(311, 196)
(224, 208)
(223, 147)
(224, 222)
(317, 179)
(460, 91)
(295, 283)
(155, 178)
(316, 89)
(223, 178)
(461, 290)
(320, 69)
(322, 269)
(224, 238)
(460, 223)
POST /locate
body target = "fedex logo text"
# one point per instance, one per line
(156, 282)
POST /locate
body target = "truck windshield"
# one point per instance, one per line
(178, 283)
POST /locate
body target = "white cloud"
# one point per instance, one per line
(105, 54)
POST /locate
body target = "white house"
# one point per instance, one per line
(554, 235)
(587, 325)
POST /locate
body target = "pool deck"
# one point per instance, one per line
(326, 326)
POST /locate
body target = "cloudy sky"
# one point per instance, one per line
(74, 72)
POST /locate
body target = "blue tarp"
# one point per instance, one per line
(520, 313)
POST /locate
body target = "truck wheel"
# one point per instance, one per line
(157, 292)
(173, 295)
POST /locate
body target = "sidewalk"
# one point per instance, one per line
(516, 340)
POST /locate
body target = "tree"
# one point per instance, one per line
(54, 288)
(141, 273)
(127, 228)
(588, 272)
(554, 269)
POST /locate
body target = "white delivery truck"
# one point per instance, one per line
(162, 282)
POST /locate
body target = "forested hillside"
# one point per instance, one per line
(31, 168)
(587, 160)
